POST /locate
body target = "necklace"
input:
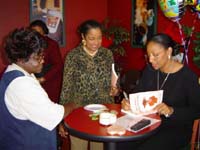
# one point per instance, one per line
(164, 81)
(88, 52)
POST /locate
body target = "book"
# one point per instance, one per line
(143, 103)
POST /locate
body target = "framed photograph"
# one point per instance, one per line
(52, 13)
(144, 21)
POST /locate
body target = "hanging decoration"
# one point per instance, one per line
(195, 4)
(186, 41)
(174, 10)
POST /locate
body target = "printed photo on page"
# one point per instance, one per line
(142, 103)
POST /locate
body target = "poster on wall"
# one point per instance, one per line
(52, 13)
(144, 21)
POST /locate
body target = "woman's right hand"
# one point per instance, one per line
(125, 104)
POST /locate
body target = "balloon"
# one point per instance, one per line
(173, 9)
(198, 7)
(195, 4)
(190, 2)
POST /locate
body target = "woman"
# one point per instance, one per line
(51, 75)
(87, 73)
(27, 116)
(180, 106)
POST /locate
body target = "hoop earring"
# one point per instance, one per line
(84, 42)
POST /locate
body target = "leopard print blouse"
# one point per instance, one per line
(87, 79)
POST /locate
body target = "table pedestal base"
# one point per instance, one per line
(109, 146)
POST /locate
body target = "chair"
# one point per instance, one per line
(127, 83)
(129, 80)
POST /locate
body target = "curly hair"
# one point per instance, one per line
(21, 43)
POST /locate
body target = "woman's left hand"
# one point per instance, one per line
(125, 104)
(62, 132)
(114, 91)
(164, 109)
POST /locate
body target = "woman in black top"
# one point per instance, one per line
(181, 97)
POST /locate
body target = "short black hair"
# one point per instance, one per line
(87, 25)
(21, 43)
(41, 24)
(166, 41)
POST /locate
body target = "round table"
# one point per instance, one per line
(80, 124)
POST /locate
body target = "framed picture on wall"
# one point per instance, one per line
(143, 24)
(52, 13)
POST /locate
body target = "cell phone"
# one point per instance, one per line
(140, 125)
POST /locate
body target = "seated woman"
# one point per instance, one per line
(180, 106)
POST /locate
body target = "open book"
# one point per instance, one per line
(143, 103)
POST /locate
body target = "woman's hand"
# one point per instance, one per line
(125, 104)
(61, 131)
(164, 109)
(114, 91)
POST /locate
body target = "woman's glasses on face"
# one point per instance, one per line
(154, 56)
(38, 57)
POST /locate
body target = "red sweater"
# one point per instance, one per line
(53, 77)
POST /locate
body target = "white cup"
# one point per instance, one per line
(107, 118)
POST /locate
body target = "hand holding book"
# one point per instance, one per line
(143, 103)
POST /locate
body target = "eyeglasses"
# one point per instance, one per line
(155, 56)
(38, 57)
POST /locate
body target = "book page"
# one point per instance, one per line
(142, 103)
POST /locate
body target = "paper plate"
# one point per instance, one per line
(95, 107)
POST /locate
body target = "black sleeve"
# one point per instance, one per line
(191, 110)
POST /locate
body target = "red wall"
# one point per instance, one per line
(12, 16)
(76, 11)
(134, 58)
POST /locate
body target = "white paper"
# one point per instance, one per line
(113, 70)
(142, 103)
(127, 121)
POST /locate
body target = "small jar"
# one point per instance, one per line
(107, 118)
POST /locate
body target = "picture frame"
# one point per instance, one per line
(143, 22)
(50, 12)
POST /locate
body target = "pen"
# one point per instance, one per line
(125, 95)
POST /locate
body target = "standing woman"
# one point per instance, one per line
(181, 97)
(87, 74)
(28, 118)
(51, 74)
